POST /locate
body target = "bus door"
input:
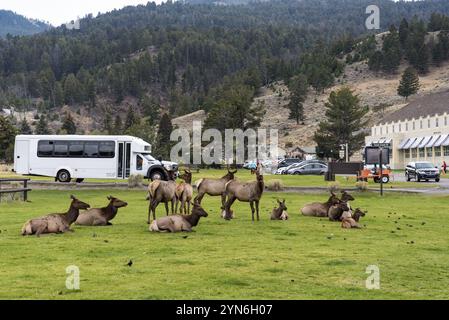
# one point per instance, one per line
(124, 160)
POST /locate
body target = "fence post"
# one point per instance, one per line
(25, 193)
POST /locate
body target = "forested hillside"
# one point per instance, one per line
(176, 58)
(15, 24)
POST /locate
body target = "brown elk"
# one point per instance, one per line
(179, 223)
(318, 209)
(161, 191)
(280, 213)
(214, 187)
(349, 222)
(246, 192)
(101, 216)
(184, 192)
(55, 222)
(336, 211)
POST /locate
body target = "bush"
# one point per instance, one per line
(333, 186)
(135, 181)
(361, 185)
(275, 185)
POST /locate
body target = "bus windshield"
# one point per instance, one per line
(148, 156)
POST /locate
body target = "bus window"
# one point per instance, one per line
(45, 148)
(61, 149)
(106, 149)
(76, 149)
(91, 149)
(139, 163)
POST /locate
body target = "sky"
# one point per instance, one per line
(58, 12)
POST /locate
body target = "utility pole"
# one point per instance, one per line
(345, 147)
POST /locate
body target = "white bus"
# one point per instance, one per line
(78, 157)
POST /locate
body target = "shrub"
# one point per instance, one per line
(275, 185)
(333, 186)
(135, 181)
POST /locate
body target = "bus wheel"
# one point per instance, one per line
(63, 176)
(156, 175)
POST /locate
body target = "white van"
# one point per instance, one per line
(78, 157)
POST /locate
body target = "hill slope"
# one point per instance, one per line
(18, 25)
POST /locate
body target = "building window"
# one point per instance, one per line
(381, 130)
(420, 124)
(437, 151)
(413, 126)
(421, 153)
(407, 153)
(446, 151)
(406, 126)
(392, 128)
(429, 152)
(414, 151)
(400, 127)
(437, 123)
(445, 121)
(386, 128)
(428, 123)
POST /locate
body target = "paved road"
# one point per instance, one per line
(442, 186)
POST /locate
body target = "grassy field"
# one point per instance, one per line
(302, 258)
(245, 175)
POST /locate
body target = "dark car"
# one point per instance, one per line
(422, 170)
(288, 161)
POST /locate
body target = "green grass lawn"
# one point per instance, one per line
(302, 258)
(245, 175)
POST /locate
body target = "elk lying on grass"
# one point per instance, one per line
(214, 187)
(161, 191)
(336, 211)
(318, 209)
(280, 213)
(179, 223)
(349, 222)
(101, 216)
(56, 222)
(246, 192)
(184, 192)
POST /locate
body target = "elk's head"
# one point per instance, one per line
(186, 176)
(343, 205)
(115, 202)
(77, 204)
(346, 196)
(333, 199)
(230, 174)
(198, 210)
(282, 205)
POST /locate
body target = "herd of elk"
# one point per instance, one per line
(169, 191)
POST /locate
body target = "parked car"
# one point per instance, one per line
(291, 169)
(309, 168)
(283, 170)
(422, 170)
(288, 161)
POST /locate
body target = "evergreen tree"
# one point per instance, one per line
(107, 124)
(298, 89)
(163, 136)
(118, 125)
(403, 32)
(68, 124)
(7, 136)
(375, 61)
(72, 90)
(391, 51)
(344, 118)
(131, 118)
(58, 95)
(42, 126)
(150, 109)
(409, 83)
(25, 127)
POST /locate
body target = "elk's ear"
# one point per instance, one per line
(72, 197)
(109, 197)
(283, 201)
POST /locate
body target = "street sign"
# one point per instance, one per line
(372, 155)
(342, 154)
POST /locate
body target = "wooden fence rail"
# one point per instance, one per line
(13, 190)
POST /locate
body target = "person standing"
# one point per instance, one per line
(444, 167)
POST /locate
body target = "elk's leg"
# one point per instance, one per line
(257, 209)
(166, 207)
(223, 199)
(252, 209)
(154, 204)
(173, 206)
(188, 207)
(40, 229)
(176, 207)
(199, 197)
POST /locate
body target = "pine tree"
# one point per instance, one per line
(118, 126)
(409, 83)
(42, 126)
(344, 117)
(298, 88)
(150, 109)
(58, 95)
(7, 137)
(391, 51)
(375, 61)
(25, 127)
(107, 124)
(403, 31)
(131, 118)
(69, 125)
(163, 136)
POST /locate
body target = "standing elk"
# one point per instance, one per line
(179, 223)
(280, 213)
(184, 192)
(318, 209)
(246, 192)
(214, 187)
(55, 222)
(161, 191)
(101, 216)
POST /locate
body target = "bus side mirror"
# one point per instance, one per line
(159, 158)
